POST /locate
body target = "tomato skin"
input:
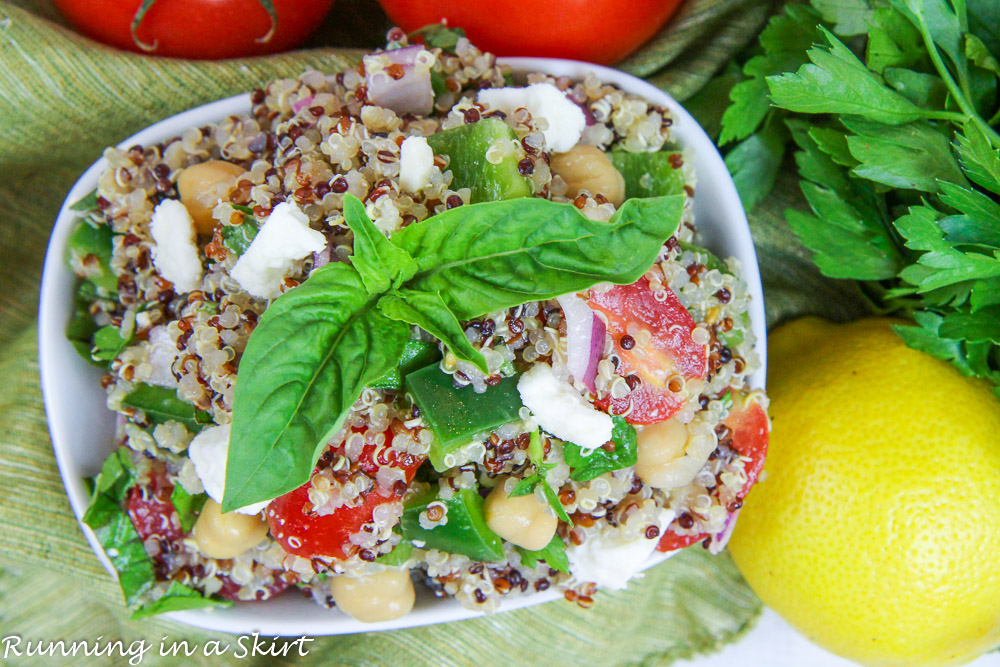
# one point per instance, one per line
(751, 429)
(302, 532)
(600, 31)
(198, 29)
(151, 510)
(671, 541)
(671, 351)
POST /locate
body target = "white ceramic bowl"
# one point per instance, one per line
(82, 427)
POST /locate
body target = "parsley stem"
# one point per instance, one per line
(953, 116)
(960, 98)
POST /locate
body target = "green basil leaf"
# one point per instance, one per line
(110, 487)
(486, 257)
(430, 313)
(600, 461)
(313, 352)
(837, 82)
(553, 553)
(127, 554)
(417, 354)
(188, 507)
(178, 597)
(108, 343)
(90, 247)
(381, 265)
(161, 405)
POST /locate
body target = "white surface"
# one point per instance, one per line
(82, 428)
(774, 643)
(560, 409)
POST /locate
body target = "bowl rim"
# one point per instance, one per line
(285, 615)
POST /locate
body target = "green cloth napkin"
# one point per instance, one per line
(63, 99)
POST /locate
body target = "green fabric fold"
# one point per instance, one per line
(63, 98)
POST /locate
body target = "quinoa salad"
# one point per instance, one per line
(413, 324)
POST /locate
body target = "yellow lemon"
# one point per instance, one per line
(876, 532)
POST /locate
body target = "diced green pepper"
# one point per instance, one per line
(648, 174)
(466, 148)
(417, 354)
(465, 531)
(93, 240)
(553, 553)
(455, 415)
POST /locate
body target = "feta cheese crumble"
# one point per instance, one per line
(284, 238)
(416, 163)
(560, 410)
(611, 562)
(208, 452)
(542, 100)
(175, 253)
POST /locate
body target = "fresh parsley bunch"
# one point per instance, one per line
(893, 107)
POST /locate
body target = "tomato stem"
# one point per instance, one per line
(140, 13)
(136, 20)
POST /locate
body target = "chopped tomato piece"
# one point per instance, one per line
(669, 352)
(750, 430)
(151, 511)
(301, 531)
(671, 541)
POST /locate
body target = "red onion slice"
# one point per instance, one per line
(721, 539)
(584, 337)
(297, 107)
(412, 92)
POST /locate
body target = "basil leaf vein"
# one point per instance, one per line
(312, 353)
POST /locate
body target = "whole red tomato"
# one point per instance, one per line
(600, 31)
(200, 29)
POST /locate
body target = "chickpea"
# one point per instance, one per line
(228, 535)
(589, 168)
(524, 521)
(202, 186)
(667, 458)
(383, 596)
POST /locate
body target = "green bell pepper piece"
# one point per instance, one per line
(457, 415)
(465, 531)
